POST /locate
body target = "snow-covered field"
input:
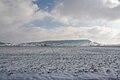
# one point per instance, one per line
(59, 63)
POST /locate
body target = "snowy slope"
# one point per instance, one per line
(62, 43)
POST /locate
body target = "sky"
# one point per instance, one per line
(38, 20)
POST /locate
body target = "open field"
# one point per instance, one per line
(59, 63)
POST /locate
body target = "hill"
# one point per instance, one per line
(62, 43)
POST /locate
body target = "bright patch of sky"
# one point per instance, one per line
(114, 25)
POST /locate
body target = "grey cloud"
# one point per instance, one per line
(89, 9)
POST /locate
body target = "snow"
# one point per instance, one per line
(59, 63)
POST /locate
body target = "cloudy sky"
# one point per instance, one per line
(38, 20)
